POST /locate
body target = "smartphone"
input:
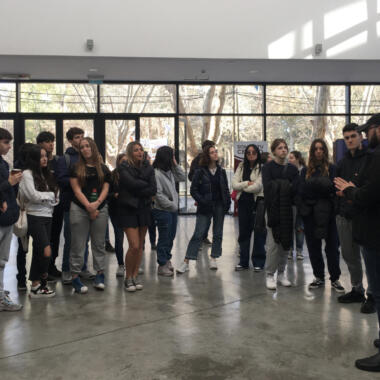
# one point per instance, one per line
(15, 171)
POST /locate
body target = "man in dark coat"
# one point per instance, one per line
(365, 194)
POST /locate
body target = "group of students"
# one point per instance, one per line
(319, 201)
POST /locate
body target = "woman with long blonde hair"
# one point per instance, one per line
(137, 186)
(90, 180)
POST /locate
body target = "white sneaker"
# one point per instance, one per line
(184, 267)
(270, 282)
(290, 255)
(213, 264)
(283, 279)
(299, 256)
(120, 271)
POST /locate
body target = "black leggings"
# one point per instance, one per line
(39, 228)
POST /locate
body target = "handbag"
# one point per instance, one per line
(20, 228)
(260, 224)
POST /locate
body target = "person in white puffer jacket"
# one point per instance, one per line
(165, 210)
(248, 184)
(39, 192)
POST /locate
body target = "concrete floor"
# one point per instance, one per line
(200, 325)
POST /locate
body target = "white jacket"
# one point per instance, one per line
(239, 185)
(37, 203)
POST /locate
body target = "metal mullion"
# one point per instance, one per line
(265, 113)
(348, 103)
(59, 136)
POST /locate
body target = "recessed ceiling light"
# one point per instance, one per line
(253, 71)
(93, 70)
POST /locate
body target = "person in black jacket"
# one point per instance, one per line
(209, 189)
(318, 197)
(9, 213)
(280, 182)
(349, 168)
(193, 167)
(365, 194)
(137, 186)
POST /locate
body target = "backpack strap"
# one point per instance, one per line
(67, 160)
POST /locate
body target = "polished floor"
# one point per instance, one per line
(200, 325)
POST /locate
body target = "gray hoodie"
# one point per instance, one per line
(166, 198)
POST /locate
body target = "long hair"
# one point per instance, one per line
(129, 151)
(205, 156)
(164, 158)
(246, 164)
(43, 178)
(314, 164)
(115, 173)
(96, 160)
(298, 156)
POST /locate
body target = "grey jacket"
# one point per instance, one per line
(166, 198)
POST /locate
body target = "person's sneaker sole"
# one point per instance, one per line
(33, 295)
(99, 286)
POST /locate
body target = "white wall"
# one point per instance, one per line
(348, 29)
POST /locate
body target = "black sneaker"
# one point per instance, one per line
(109, 248)
(54, 272)
(376, 343)
(50, 278)
(371, 364)
(317, 283)
(368, 306)
(352, 297)
(21, 285)
(239, 268)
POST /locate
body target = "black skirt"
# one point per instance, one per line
(128, 217)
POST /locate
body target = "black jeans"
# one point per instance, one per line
(314, 247)
(246, 216)
(39, 228)
(21, 262)
(56, 229)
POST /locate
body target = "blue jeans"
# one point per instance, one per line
(246, 217)
(201, 226)
(119, 241)
(67, 244)
(372, 263)
(299, 233)
(167, 227)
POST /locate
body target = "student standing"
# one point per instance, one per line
(350, 168)
(9, 213)
(113, 205)
(165, 210)
(90, 180)
(318, 204)
(39, 192)
(296, 159)
(209, 189)
(137, 186)
(247, 182)
(280, 181)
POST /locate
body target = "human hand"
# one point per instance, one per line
(116, 195)
(341, 184)
(4, 207)
(92, 207)
(15, 178)
(94, 215)
(174, 161)
(250, 183)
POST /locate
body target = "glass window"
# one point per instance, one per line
(58, 97)
(8, 125)
(232, 99)
(156, 132)
(365, 99)
(86, 125)
(300, 131)
(137, 98)
(118, 134)
(305, 99)
(34, 127)
(7, 97)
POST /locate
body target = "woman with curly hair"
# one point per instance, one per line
(318, 212)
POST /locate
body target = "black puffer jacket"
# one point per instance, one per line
(349, 168)
(318, 200)
(201, 190)
(280, 213)
(8, 195)
(139, 184)
(366, 223)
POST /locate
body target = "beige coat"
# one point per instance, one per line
(239, 185)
